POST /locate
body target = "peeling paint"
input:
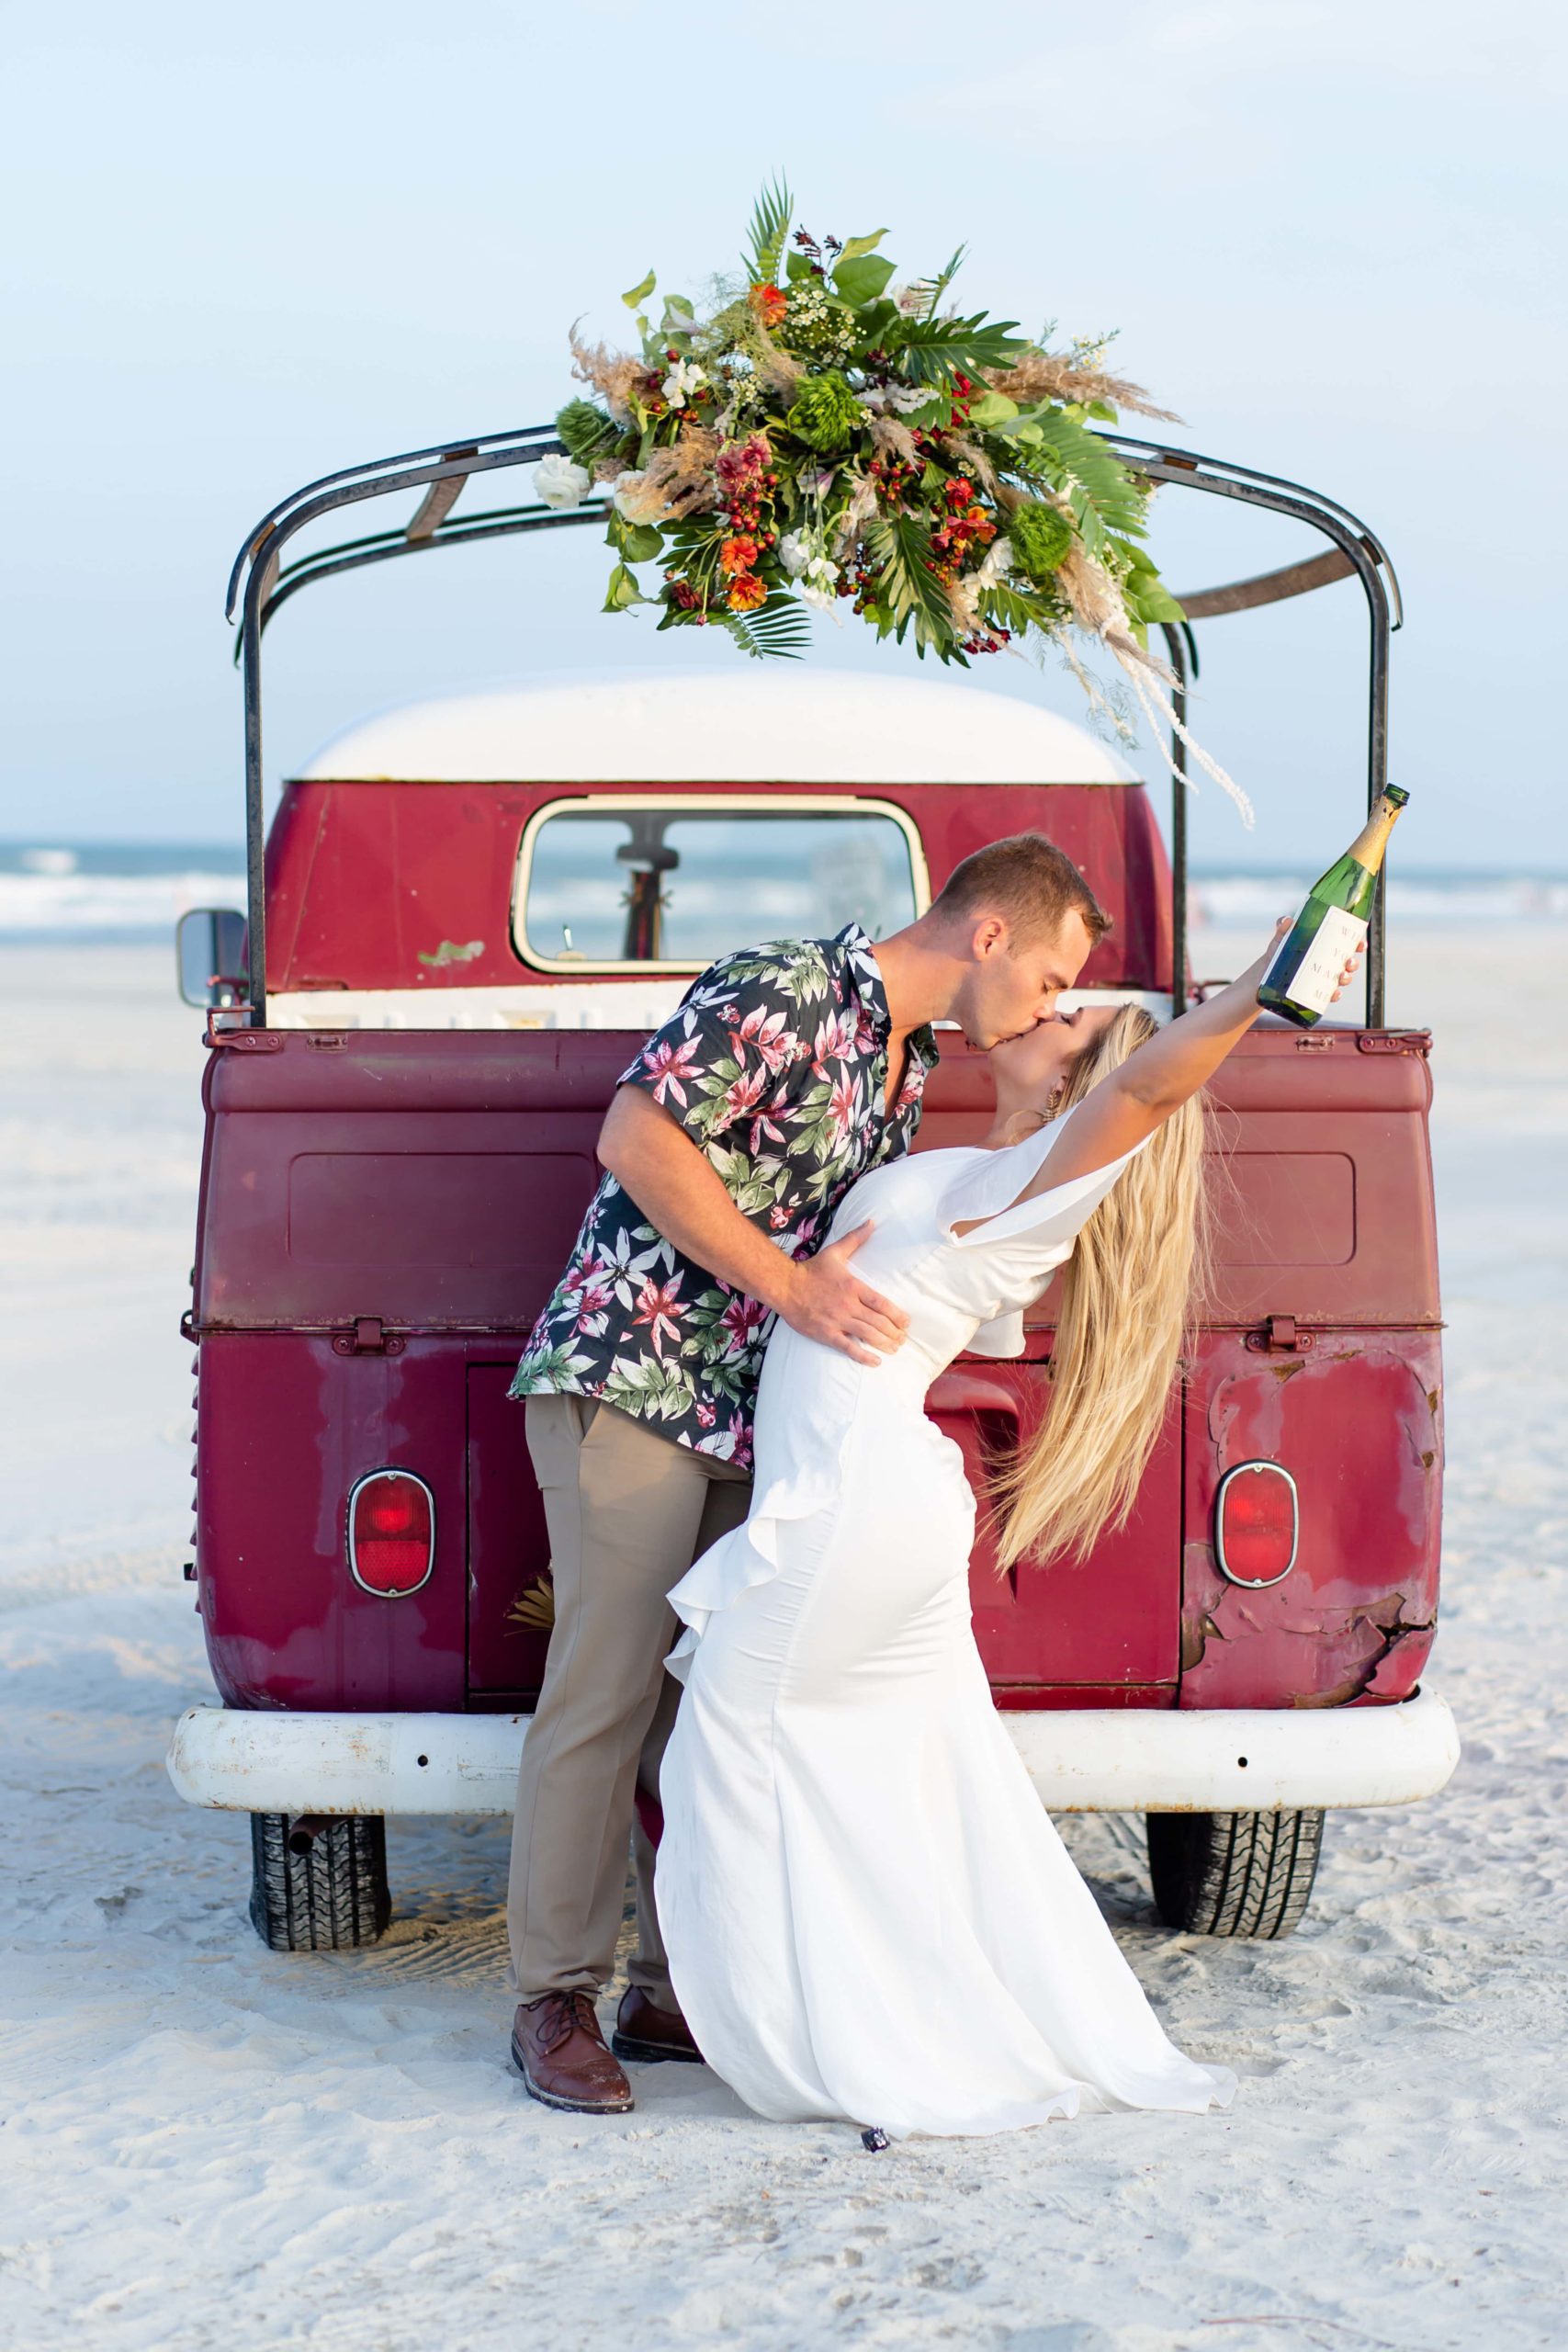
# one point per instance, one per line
(1359, 1431)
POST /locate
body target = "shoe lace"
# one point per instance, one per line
(560, 2014)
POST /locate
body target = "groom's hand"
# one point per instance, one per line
(828, 1301)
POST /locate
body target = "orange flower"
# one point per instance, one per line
(737, 555)
(746, 592)
(768, 302)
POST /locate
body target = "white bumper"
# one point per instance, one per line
(1093, 1760)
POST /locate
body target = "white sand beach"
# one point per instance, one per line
(207, 2145)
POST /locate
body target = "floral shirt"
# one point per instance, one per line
(775, 1064)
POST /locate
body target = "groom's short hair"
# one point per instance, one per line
(1028, 881)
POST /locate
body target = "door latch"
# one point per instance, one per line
(369, 1337)
(1280, 1336)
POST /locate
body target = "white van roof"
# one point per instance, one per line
(794, 726)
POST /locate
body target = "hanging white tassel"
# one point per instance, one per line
(1147, 679)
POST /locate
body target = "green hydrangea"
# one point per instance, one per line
(587, 432)
(1041, 538)
(823, 412)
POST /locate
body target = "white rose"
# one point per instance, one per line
(998, 563)
(561, 481)
(795, 552)
(627, 486)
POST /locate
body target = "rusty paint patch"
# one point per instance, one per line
(1196, 1635)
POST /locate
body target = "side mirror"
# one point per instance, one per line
(212, 954)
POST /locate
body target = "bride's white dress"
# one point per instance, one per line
(868, 1912)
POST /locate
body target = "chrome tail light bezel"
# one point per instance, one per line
(1242, 1470)
(371, 1478)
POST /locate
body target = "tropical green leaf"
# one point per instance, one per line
(1148, 599)
(680, 317)
(1138, 558)
(862, 279)
(991, 410)
(639, 293)
(875, 323)
(858, 245)
(765, 238)
(900, 550)
(932, 351)
(622, 592)
(797, 265)
(1021, 608)
(638, 542)
(777, 631)
(1103, 495)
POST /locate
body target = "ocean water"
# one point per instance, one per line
(112, 891)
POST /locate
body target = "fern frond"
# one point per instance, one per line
(777, 631)
(770, 227)
(932, 351)
(1020, 609)
(1104, 494)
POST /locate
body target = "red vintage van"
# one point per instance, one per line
(466, 911)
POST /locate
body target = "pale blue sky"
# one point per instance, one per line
(248, 248)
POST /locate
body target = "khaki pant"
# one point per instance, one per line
(628, 1511)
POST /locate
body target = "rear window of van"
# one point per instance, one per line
(612, 884)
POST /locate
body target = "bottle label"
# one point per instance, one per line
(1315, 978)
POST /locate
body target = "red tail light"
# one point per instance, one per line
(1256, 1523)
(391, 1533)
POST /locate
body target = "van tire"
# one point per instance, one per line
(1234, 1873)
(329, 1898)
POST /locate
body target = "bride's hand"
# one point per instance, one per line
(827, 1301)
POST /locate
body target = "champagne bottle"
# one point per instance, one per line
(1302, 979)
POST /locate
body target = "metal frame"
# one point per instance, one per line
(369, 1478)
(1239, 1469)
(260, 584)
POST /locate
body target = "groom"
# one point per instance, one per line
(785, 1074)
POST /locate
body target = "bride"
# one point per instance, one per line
(868, 1913)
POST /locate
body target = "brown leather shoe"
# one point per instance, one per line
(559, 2050)
(645, 2031)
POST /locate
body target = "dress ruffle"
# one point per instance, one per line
(749, 1555)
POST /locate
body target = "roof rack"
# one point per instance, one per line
(261, 583)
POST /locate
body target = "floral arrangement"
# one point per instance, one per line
(821, 436)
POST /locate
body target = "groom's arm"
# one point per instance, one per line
(678, 1189)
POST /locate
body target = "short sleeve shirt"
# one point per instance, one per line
(775, 1064)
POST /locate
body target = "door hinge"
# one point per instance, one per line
(1280, 1336)
(245, 1041)
(369, 1337)
(1394, 1041)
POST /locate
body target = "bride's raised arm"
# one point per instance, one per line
(1135, 1099)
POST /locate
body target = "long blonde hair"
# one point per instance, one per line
(1125, 1292)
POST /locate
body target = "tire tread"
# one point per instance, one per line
(1234, 1873)
(332, 1898)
